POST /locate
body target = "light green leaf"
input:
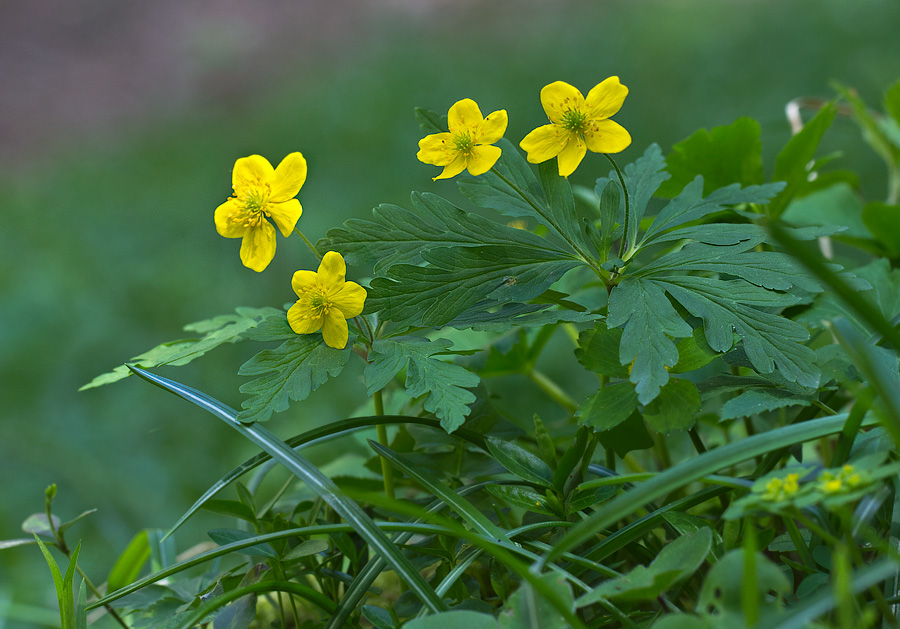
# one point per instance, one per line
(835, 205)
(129, 564)
(649, 321)
(445, 383)
(724, 155)
(608, 407)
(724, 582)
(462, 619)
(676, 562)
(675, 407)
(526, 609)
(306, 548)
(523, 497)
(215, 331)
(881, 219)
(693, 353)
(291, 371)
(458, 278)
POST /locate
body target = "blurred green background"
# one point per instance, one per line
(120, 125)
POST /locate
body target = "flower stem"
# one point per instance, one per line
(387, 472)
(624, 242)
(553, 390)
(308, 243)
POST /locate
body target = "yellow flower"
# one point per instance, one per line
(262, 196)
(578, 124)
(326, 301)
(778, 489)
(467, 144)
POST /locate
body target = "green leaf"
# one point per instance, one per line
(520, 462)
(608, 407)
(458, 278)
(881, 219)
(724, 582)
(677, 561)
(836, 205)
(493, 316)
(316, 481)
(693, 353)
(231, 508)
(216, 331)
(129, 564)
(561, 203)
(675, 407)
(522, 497)
(306, 548)
(724, 155)
(611, 207)
(757, 401)
(462, 619)
(291, 371)
(37, 524)
(630, 435)
(590, 498)
(525, 609)
(871, 130)
(445, 383)
(792, 165)
(396, 235)
(229, 536)
(598, 351)
(430, 121)
(649, 321)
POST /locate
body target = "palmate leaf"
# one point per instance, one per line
(458, 278)
(293, 370)
(216, 331)
(397, 235)
(445, 383)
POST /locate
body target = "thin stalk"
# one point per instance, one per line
(308, 243)
(805, 554)
(553, 390)
(387, 472)
(696, 440)
(623, 244)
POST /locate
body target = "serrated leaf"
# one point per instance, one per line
(757, 401)
(458, 278)
(445, 383)
(430, 121)
(216, 331)
(727, 307)
(674, 409)
(291, 371)
(677, 561)
(397, 235)
(723, 155)
(520, 462)
(560, 203)
(649, 321)
(489, 315)
(608, 407)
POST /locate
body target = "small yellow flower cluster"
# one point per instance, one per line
(845, 480)
(781, 489)
(577, 125)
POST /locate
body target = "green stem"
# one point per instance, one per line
(387, 472)
(696, 440)
(624, 242)
(553, 390)
(805, 554)
(308, 243)
(584, 256)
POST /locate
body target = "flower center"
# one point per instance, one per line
(317, 303)
(252, 201)
(463, 143)
(574, 121)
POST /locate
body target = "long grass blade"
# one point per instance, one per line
(315, 480)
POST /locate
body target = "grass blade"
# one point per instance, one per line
(315, 480)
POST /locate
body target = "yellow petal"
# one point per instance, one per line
(493, 128)
(558, 98)
(288, 178)
(482, 159)
(436, 149)
(606, 98)
(453, 168)
(300, 322)
(225, 223)
(258, 246)
(334, 330)
(251, 171)
(332, 271)
(350, 299)
(303, 281)
(464, 116)
(606, 136)
(544, 143)
(571, 156)
(285, 215)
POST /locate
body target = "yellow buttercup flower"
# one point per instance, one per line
(578, 124)
(326, 301)
(262, 196)
(467, 144)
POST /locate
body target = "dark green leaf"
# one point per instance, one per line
(725, 155)
(628, 436)
(462, 619)
(522, 497)
(228, 536)
(675, 407)
(598, 351)
(561, 203)
(526, 609)
(757, 401)
(493, 316)
(231, 508)
(520, 462)
(444, 382)
(430, 121)
(380, 618)
(590, 497)
(608, 407)
(881, 219)
(292, 371)
(306, 548)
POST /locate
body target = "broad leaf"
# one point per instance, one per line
(608, 407)
(292, 371)
(598, 351)
(757, 401)
(520, 462)
(675, 407)
(445, 383)
(526, 608)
